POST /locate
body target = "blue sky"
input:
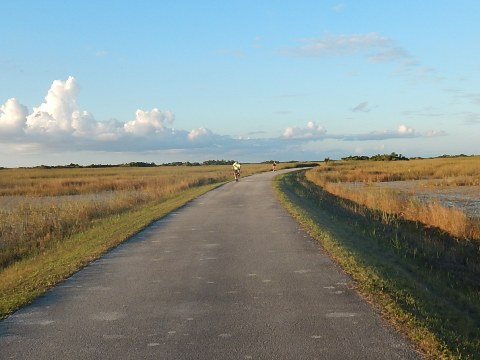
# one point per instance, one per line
(109, 81)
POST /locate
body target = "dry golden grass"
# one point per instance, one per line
(449, 172)
(46, 206)
(459, 171)
(55, 182)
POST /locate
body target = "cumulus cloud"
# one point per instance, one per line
(199, 133)
(12, 117)
(59, 125)
(59, 122)
(57, 112)
(403, 129)
(311, 131)
(149, 122)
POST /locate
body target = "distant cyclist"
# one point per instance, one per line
(236, 170)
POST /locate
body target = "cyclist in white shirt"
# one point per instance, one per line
(236, 170)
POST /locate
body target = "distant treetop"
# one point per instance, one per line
(385, 157)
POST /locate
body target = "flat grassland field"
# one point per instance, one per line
(441, 192)
(40, 207)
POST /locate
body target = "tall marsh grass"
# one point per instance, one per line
(41, 207)
(459, 171)
(393, 203)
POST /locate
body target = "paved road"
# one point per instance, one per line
(230, 276)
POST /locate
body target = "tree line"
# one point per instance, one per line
(136, 164)
(379, 157)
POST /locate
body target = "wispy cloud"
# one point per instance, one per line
(339, 7)
(291, 95)
(471, 118)
(372, 46)
(390, 52)
(428, 112)
(101, 53)
(362, 107)
(335, 45)
(314, 132)
(435, 133)
(459, 95)
(231, 52)
(474, 98)
(282, 112)
(402, 132)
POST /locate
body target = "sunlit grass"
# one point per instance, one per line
(459, 171)
(432, 172)
(74, 181)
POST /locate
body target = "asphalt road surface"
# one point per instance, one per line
(229, 276)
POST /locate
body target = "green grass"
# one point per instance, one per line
(25, 280)
(407, 271)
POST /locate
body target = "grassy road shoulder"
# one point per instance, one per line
(413, 289)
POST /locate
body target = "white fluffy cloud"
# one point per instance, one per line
(59, 110)
(199, 133)
(405, 130)
(311, 131)
(12, 117)
(59, 121)
(149, 122)
(58, 125)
